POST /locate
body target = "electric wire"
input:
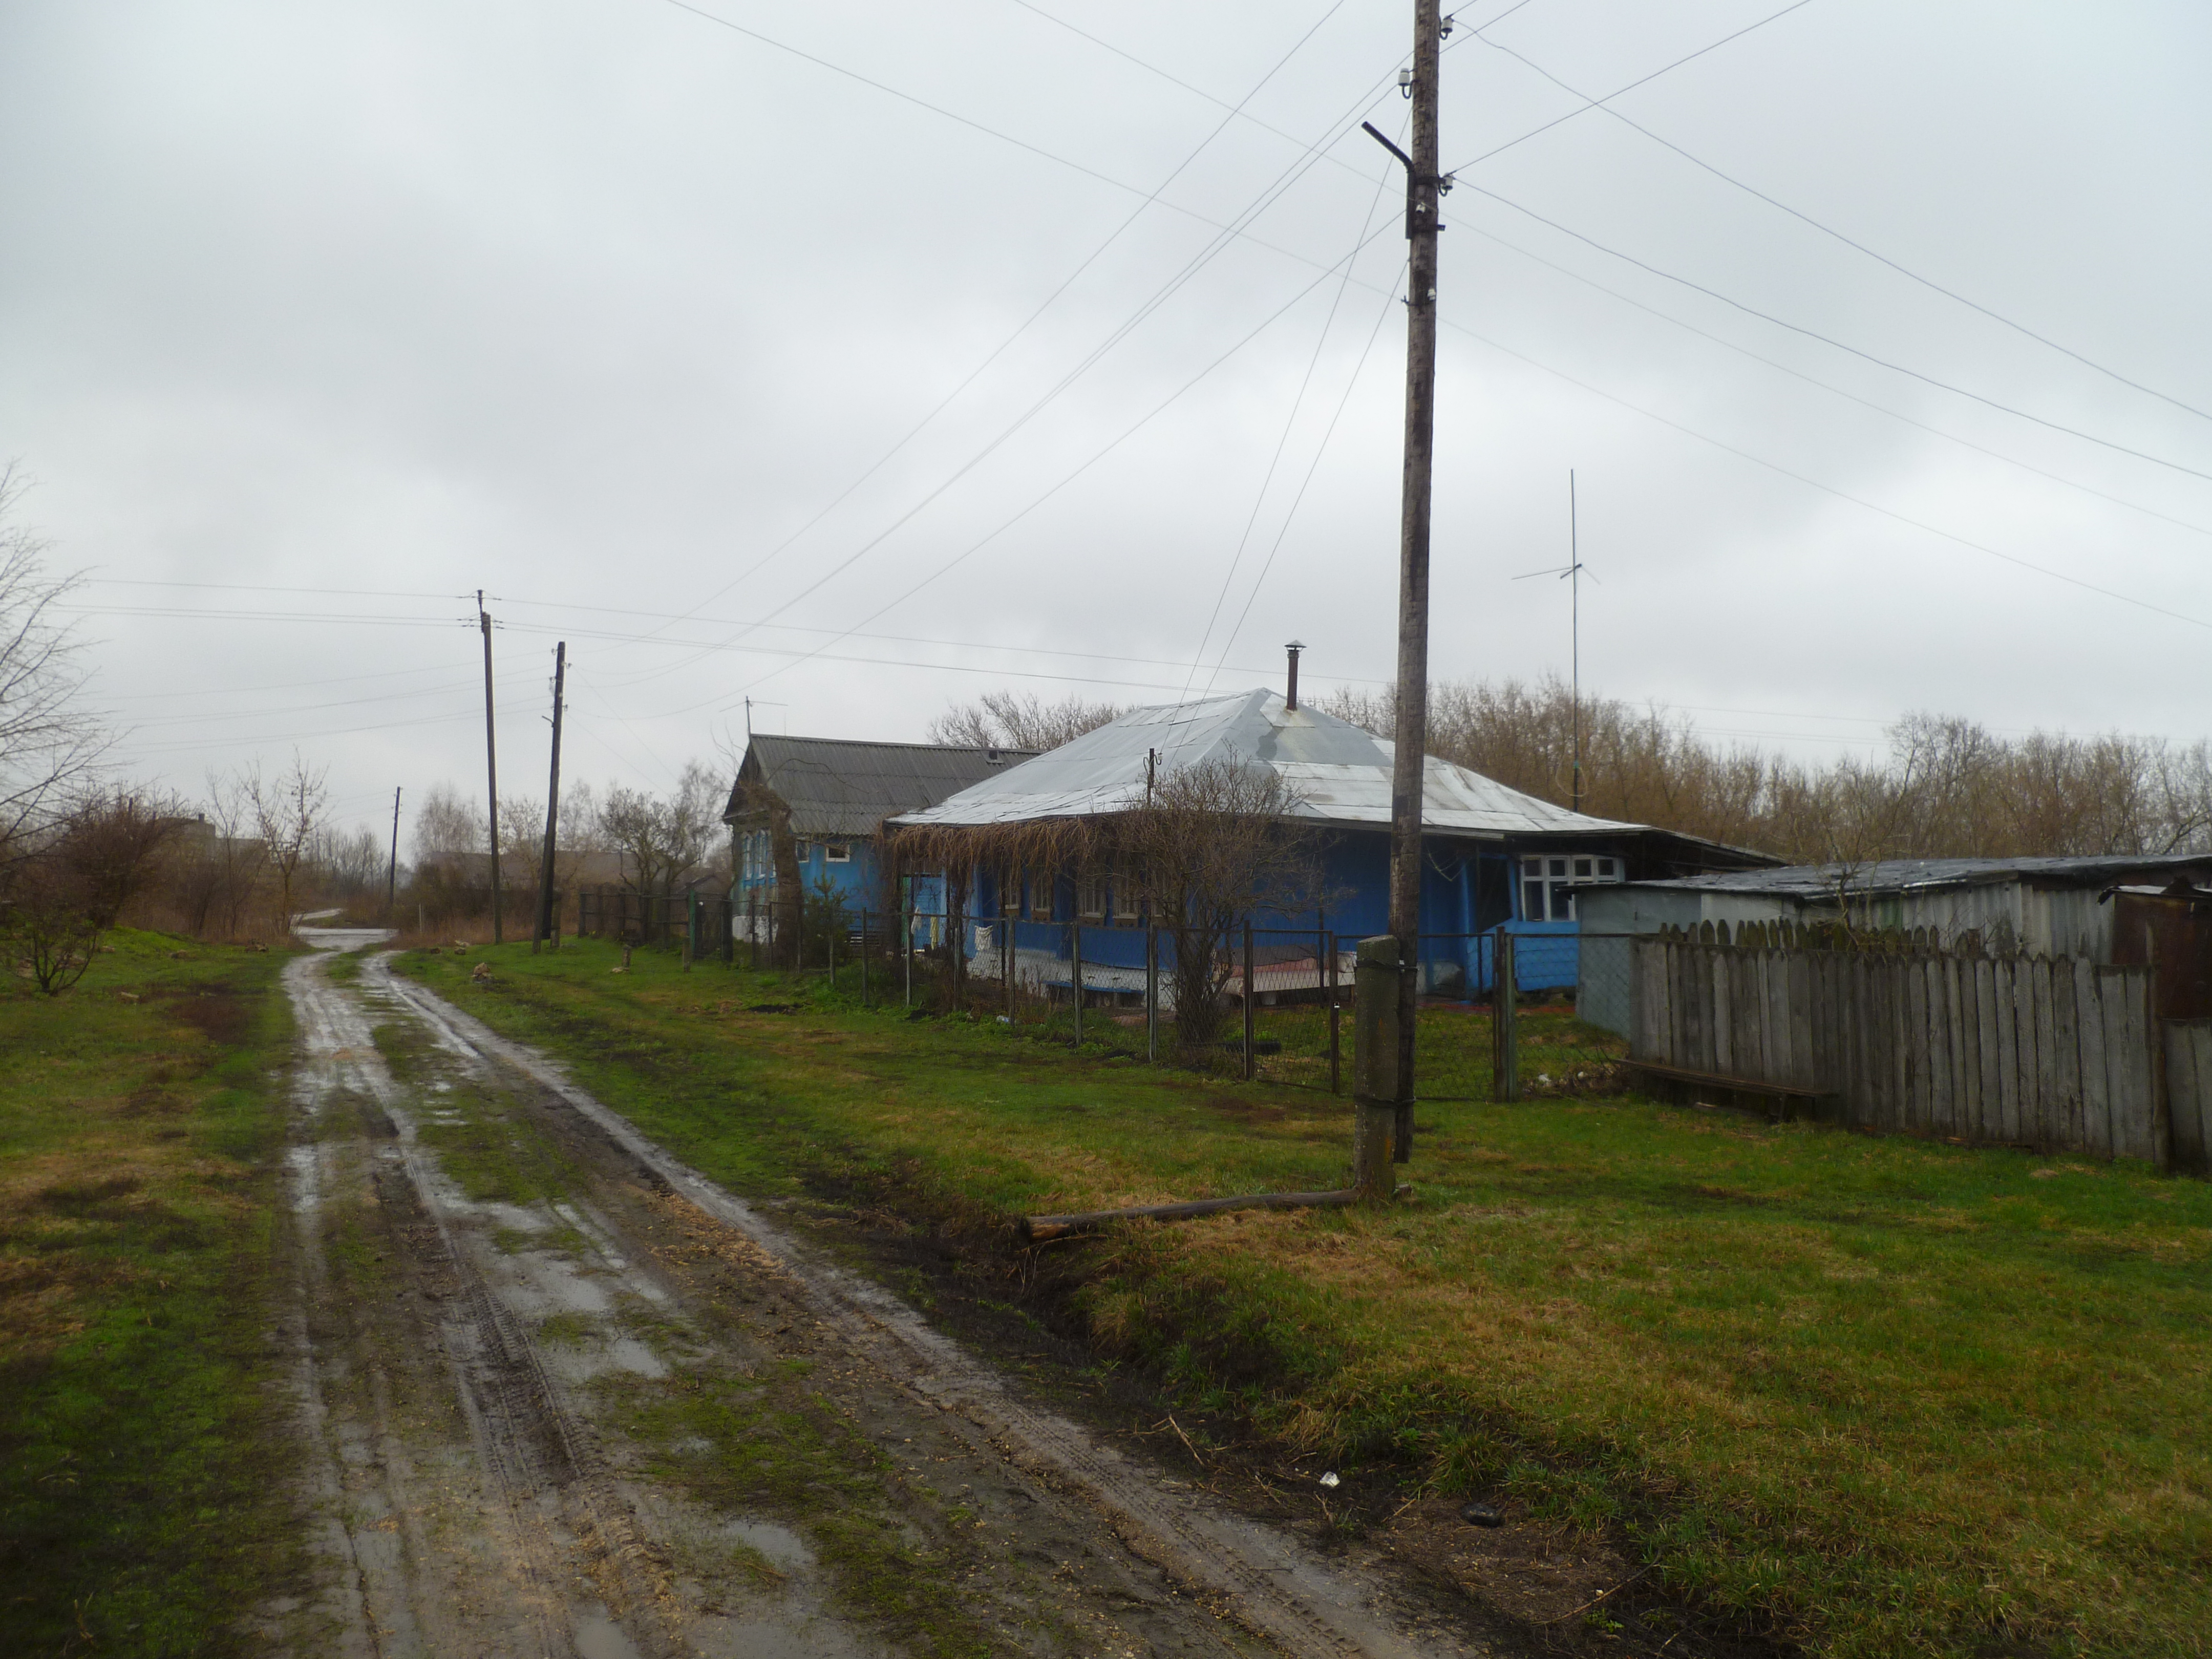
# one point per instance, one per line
(1827, 340)
(1289, 423)
(1004, 345)
(1850, 242)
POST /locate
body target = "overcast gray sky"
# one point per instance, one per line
(316, 318)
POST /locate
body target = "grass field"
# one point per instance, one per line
(1875, 1396)
(144, 1496)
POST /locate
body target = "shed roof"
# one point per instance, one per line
(1895, 876)
(1336, 773)
(840, 787)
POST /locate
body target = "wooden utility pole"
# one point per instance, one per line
(1575, 628)
(391, 874)
(552, 804)
(491, 766)
(1413, 725)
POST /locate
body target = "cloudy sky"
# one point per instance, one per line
(857, 360)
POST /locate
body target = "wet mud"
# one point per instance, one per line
(566, 1396)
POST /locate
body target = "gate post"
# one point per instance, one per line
(1375, 1063)
(1075, 958)
(1251, 1061)
(1335, 1018)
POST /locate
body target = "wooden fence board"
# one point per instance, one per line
(2130, 1075)
(2066, 1059)
(1919, 1085)
(2006, 1013)
(2096, 1080)
(2036, 1091)
(1720, 1045)
(2183, 1088)
(1805, 1071)
(1970, 1050)
(1942, 1036)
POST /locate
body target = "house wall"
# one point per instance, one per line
(1468, 888)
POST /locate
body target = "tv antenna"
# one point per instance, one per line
(1571, 573)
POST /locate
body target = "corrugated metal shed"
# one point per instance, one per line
(836, 786)
(1900, 876)
(1337, 773)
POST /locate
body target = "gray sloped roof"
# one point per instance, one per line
(1337, 773)
(1820, 881)
(840, 787)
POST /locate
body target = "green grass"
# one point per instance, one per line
(1876, 1396)
(766, 1444)
(144, 1461)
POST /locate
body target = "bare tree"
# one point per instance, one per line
(50, 744)
(448, 830)
(1009, 720)
(288, 810)
(1215, 842)
(662, 838)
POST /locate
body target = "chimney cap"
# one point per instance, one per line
(1295, 645)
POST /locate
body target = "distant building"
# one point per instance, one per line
(1492, 856)
(817, 805)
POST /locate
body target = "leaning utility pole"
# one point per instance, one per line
(391, 875)
(491, 766)
(1413, 725)
(552, 804)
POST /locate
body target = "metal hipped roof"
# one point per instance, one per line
(839, 786)
(1334, 771)
(1821, 881)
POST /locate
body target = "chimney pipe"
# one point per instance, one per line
(1290, 698)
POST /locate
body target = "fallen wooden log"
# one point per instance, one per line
(1036, 1229)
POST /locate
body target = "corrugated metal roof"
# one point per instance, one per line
(1337, 772)
(838, 786)
(1909, 875)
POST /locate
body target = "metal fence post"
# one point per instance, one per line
(1006, 960)
(1505, 1036)
(1251, 1062)
(1335, 1019)
(864, 958)
(1075, 959)
(830, 950)
(906, 934)
(1152, 991)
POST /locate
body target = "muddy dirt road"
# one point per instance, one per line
(568, 1397)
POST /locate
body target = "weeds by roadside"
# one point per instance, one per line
(144, 1470)
(1870, 1396)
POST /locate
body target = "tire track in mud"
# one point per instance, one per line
(1265, 1581)
(548, 1515)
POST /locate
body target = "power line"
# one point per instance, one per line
(1830, 489)
(1879, 257)
(1815, 334)
(1096, 456)
(1837, 391)
(1005, 344)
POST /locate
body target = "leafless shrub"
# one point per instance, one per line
(1215, 843)
(663, 838)
(67, 887)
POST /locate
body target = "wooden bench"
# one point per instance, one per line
(1782, 1099)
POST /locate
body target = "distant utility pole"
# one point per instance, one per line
(391, 875)
(1571, 573)
(491, 766)
(552, 804)
(1423, 189)
(1575, 630)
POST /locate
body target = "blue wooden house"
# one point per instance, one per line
(816, 806)
(1492, 856)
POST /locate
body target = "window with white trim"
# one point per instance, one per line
(1091, 898)
(837, 852)
(1040, 886)
(1547, 877)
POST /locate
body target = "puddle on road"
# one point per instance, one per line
(598, 1637)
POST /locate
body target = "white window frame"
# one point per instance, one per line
(1544, 876)
(837, 852)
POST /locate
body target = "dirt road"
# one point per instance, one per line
(568, 1397)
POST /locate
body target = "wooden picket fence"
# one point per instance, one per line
(2055, 1054)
